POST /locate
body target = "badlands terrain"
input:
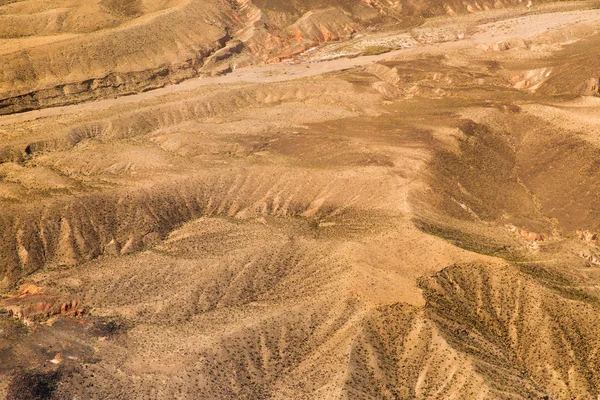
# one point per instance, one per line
(304, 199)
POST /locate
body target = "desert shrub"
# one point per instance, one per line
(375, 50)
(108, 327)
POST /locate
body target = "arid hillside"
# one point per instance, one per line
(57, 52)
(313, 199)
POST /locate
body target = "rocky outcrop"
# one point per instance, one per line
(32, 304)
(531, 80)
(113, 84)
(526, 234)
(186, 41)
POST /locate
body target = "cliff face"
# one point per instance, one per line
(68, 52)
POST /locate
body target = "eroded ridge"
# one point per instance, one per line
(400, 203)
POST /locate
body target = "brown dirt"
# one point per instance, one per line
(415, 224)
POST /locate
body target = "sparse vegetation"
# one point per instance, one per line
(375, 50)
(32, 385)
(302, 221)
(477, 243)
(109, 327)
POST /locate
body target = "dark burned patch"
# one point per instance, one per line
(12, 333)
(10, 328)
(108, 327)
(25, 352)
(32, 384)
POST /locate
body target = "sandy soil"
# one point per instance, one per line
(419, 223)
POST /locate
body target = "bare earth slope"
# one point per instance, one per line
(64, 51)
(405, 208)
